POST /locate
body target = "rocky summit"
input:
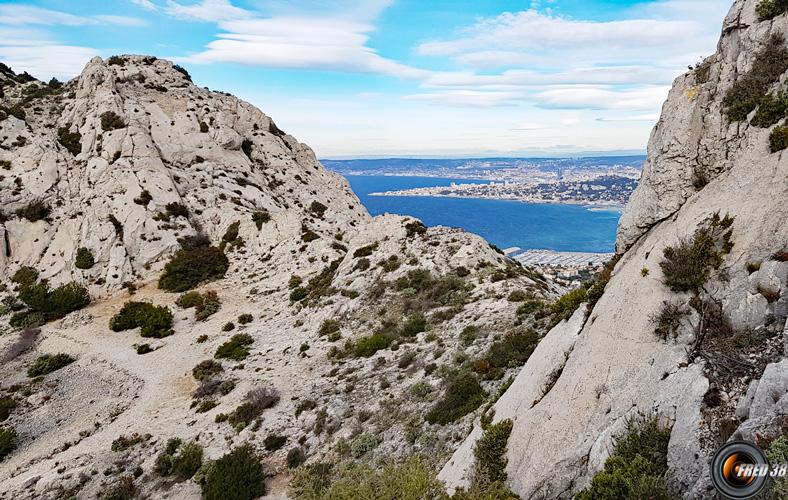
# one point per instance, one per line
(193, 306)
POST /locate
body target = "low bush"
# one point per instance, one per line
(777, 453)
(260, 217)
(668, 321)
(144, 198)
(84, 259)
(368, 346)
(49, 363)
(206, 369)
(318, 209)
(44, 304)
(245, 319)
(414, 325)
(205, 304)
(239, 475)
(273, 442)
(511, 351)
(237, 348)
(177, 210)
(411, 479)
(123, 443)
(125, 489)
(7, 441)
(772, 108)
(72, 141)
(304, 405)
(687, 266)
(778, 139)
(257, 401)
(34, 211)
(189, 268)
(365, 251)
(749, 91)
(328, 327)
(111, 121)
(463, 395)
(636, 467)
(295, 457)
(7, 405)
(490, 454)
(153, 321)
(518, 296)
(184, 464)
(769, 9)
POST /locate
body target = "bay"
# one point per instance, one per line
(505, 223)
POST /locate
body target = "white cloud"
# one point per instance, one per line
(588, 97)
(473, 98)
(145, 4)
(633, 118)
(18, 15)
(299, 42)
(121, 20)
(206, 10)
(46, 59)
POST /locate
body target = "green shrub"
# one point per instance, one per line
(256, 401)
(490, 453)
(72, 141)
(771, 109)
(34, 211)
(777, 453)
(189, 268)
(749, 91)
(7, 441)
(111, 121)
(144, 349)
(123, 443)
(414, 325)
(668, 321)
(177, 210)
(49, 363)
(304, 405)
(229, 326)
(512, 350)
(328, 327)
(365, 251)
(295, 457)
(116, 61)
(687, 266)
(273, 442)
(367, 346)
(47, 305)
(530, 307)
(123, 490)
(518, 296)
(245, 319)
(318, 209)
(462, 396)
(25, 275)
(363, 444)
(778, 139)
(7, 405)
(636, 467)
(567, 304)
(237, 348)
(260, 217)
(769, 9)
(412, 479)
(205, 304)
(239, 475)
(186, 463)
(153, 321)
(84, 259)
(206, 369)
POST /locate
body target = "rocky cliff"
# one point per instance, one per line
(310, 331)
(699, 348)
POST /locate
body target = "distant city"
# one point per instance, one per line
(603, 182)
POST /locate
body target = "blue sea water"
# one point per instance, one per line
(566, 228)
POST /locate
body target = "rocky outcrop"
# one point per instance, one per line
(617, 367)
(126, 161)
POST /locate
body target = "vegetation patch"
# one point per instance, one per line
(778, 139)
(511, 351)
(34, 211)
(44, 304)
(49, 363)
(636, 467)
(239, 475)
(7, 441)
(206, 369)
(72, 141)
(260, 217)
(463, 395)
(111, 121)
(318, 286)
(749, 91)
(490, 454)
(153, 321)
(769, 9)
(687, 266)
(183, 464)
(190, 267)
(237, 348)
(668, 321)
(84, 259)
(205, 304)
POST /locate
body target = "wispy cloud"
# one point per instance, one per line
(13, 14)
(145, 4)
(207, 10)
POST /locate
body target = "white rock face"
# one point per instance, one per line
(180, 160)
(617, 367)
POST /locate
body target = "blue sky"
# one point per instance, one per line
(372, 78)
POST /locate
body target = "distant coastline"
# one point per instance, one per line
(592, 206)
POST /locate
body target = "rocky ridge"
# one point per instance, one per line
(106, 177)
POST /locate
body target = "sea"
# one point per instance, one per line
(505, 223)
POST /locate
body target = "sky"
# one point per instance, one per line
(419, 78)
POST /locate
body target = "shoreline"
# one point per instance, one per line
(594, 207)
